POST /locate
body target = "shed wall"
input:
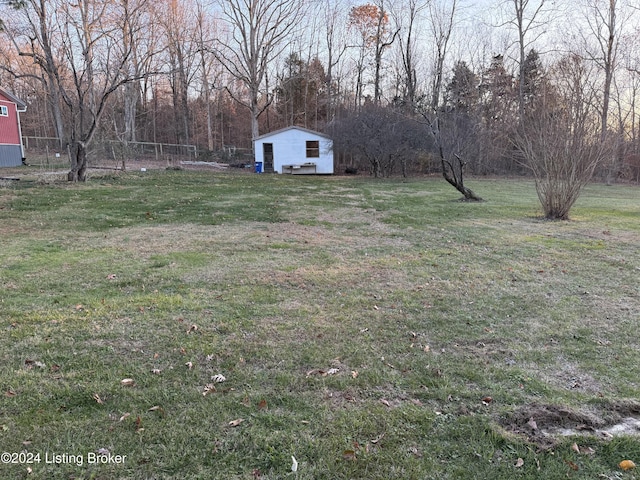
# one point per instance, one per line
(290, 148)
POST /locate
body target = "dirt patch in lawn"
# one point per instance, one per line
(545, 425)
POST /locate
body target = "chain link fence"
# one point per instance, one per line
(111, 154)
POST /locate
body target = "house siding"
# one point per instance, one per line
(10, 155)
(9, 132)
(11, 151)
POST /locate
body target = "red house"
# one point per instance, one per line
(11, 149)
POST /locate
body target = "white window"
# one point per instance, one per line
(4, 111)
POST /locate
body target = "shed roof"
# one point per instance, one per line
(21, 105)
(293, 127)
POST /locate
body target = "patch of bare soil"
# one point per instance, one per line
(571, 377)
(544, 425)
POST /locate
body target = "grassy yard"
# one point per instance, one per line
(370, 329)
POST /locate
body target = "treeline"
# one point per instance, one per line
(403, 86)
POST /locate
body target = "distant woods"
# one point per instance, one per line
(405, 87)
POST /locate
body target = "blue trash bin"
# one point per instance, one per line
(258, 167)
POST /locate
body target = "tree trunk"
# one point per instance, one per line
(255, 113)
(54, 99)
(456, 179)
(78, 172)
(131, 94)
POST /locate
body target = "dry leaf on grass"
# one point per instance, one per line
(139, 427)
(219, 378)
(519, 463)
(189, 365)
(33, 363)
(97, 398)
(322, 373)
(572, 465)
(627, 465)
(208, 388)
(349, 455)
(262, 405)
(127, 382)
(235, 423)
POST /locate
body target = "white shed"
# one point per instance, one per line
(294, 150)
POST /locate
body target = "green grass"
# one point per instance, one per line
(424, 305)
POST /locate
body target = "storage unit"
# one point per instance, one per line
(294, 150)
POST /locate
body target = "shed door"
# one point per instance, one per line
(267, 155)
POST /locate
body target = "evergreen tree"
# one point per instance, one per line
(535, 86)
(461, 93)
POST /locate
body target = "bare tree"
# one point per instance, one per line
(445, 123)
(453, 147)
(383, 39)
(528, 22)
(258, 31)
(560, 141)
(605, 20)
(205, 35)
(380, 136)
(406, 18)
(442, 15)
(139, 65)
(363, 21)
(96, 50)
(454, 128)
(30, 29)
(336, 47)
(84, 52)
(181, 56)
